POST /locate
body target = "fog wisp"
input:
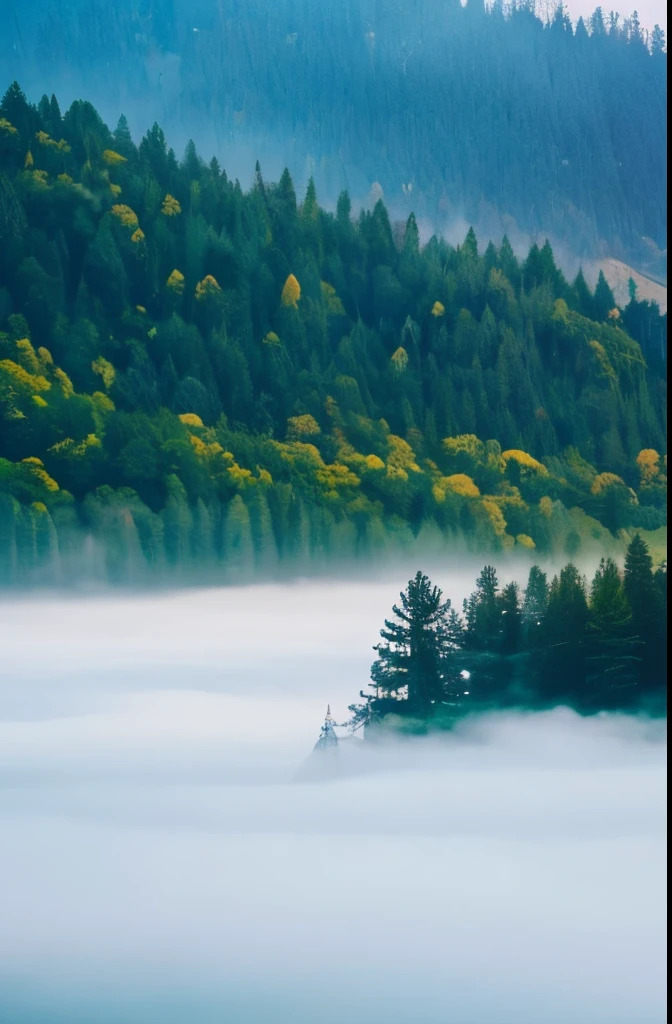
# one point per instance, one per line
(159, 861)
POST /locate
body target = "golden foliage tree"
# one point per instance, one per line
(291, 292)
(207, 288)
(125, 215)
(170, 206)
(399, 360)
(463, 485)
(299, 428)
(175, 282)
(113, 159)
(648, 462)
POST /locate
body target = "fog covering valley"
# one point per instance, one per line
(159, 860)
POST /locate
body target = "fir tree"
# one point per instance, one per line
(535, 604)
(510, 619)
(564, 635)
(416, 658)
(614, 652)
(603, 301)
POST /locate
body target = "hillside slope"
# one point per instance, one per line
(456, 112)
(195, 375)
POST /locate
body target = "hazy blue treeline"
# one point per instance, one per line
(452, 110)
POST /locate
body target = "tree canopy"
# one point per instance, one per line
(489, 112)
(593, 647)
(196, 376)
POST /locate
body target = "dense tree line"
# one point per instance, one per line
(454, 110)
(593, 646)
(195, 376)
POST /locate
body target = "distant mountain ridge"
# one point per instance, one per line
(456, 113)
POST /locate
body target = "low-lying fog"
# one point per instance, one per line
(159, 864)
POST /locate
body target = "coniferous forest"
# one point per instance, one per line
(595, 646)
(453, 111)
(193, 375)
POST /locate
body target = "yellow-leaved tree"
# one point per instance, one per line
(125, 214)
(399, 360)
(175, 282)
(207, 288)
(648, 462)
(190, 419)
(524, 460)
(463, 485)
(291, 292)
(525, 541)
(113, 159)
(300, 428)
(105, 370)
(170, 206)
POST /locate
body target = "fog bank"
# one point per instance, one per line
(159, 863)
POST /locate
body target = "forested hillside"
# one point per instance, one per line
(194, 375)
(456, 112)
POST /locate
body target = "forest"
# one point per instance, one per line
(197, 377)
(494, 114)
(594, 647)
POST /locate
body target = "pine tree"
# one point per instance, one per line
(534, 606)
(416, 658)
(614, 654)
(510, 619)
(483, 614)
(564, 635)
(639, 581)
(643, 594)
(603, 301)
(582, 297)
(411, 237)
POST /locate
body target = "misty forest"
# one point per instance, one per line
(510, 119)
(306, 304)
(197, 378)
(592, 647)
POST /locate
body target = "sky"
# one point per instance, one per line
(651, 12)
(160, 859)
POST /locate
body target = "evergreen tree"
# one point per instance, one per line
(510, 619)
(535, 604)
(644, 595)
(565, 636)
(613, 658)
(603, 301)
(416, 658)
(483, 613)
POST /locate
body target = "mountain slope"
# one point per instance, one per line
(200, 376)
(455, 112)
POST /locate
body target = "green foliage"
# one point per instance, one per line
(590, 648)
(341, 389)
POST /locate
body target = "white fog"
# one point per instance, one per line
(159, 862)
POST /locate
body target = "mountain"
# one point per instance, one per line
(618, 276)
(456, 113)
(197, 377)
